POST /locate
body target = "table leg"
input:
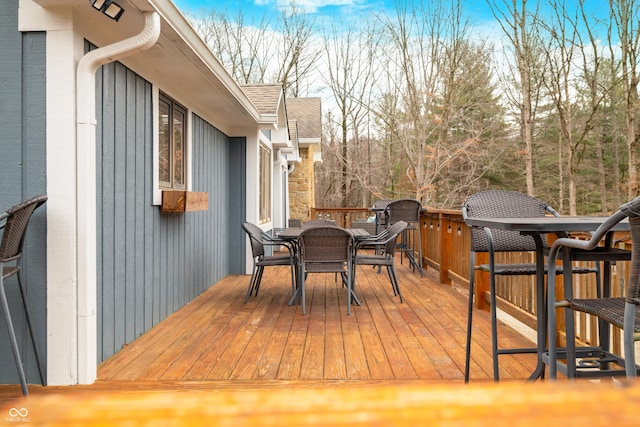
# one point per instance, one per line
(553, 350)
(541, 317)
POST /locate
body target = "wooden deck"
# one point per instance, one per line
(219, 342)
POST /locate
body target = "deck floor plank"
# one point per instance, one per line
(398, 358)
(219, 341)
(247, 361)
(238, 342)
(269, 364)
(230, 321)
(335, 364)
(417, 354)
(197, 346)
(312, 367)
(219, 338)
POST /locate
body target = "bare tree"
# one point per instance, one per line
(349, 54)
(414, 35)
(241, 47)
(599, 89)
(413, 110)
(572, 82)
(438, 105)
(516, 20)
(297, 52)
(626, 16)
(612, 124)
(278, 49)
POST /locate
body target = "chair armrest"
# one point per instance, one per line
(590, 244)
(374, 240)
(267, 240)
(277, 242)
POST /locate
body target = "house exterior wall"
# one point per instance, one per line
(151, 263)
(237, 206)
(301, 186)
(23, 175)
(279, 183)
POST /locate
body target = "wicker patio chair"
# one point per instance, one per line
(379, 207)
(363, 224)
(14, 223)
(598, 361)
(320, 223)
(503, 204)
(326, 249)
(385, 257)
(259, 240)
(295, 222)
(407, 210)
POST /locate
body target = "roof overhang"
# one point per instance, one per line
(180, 62)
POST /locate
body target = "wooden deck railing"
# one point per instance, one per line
(446, 247)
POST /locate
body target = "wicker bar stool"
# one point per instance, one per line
(14, 224)
(503, 204)
(622, 312)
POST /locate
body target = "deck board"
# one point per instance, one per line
(218, 339)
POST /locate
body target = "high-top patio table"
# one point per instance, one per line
(559, 225)
(292, 234)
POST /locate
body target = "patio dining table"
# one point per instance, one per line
(292, 235)
(536, 227)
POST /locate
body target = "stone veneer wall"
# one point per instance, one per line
(302, 187)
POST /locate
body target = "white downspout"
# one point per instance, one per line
(86, 186)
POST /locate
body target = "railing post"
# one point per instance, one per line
(446, 247)
(482, 281)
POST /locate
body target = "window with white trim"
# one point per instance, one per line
(265, 184)
(172, 135)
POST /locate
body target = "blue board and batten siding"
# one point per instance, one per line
(23, 175)
(151, 263)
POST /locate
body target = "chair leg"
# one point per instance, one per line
(494, 320)
(408, 247)
(256, 287)
(629, 343)
(343, 279)
(349, 289)
(12, 338)
(467, 359)
(302, 277)
(420, 251)
(293, 277)
(392, 273)
(603, 284)
(393, 285)
(251, 284)
(570, 328)
(23, 294)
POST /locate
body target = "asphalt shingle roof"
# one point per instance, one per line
(307, 112)
(264, 96)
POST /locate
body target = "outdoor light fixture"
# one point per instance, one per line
(110, 8)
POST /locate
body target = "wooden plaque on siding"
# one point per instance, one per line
(184, 201)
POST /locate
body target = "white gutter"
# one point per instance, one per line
(86, 186)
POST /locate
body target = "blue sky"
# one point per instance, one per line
(260, 7)
(477, 10)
